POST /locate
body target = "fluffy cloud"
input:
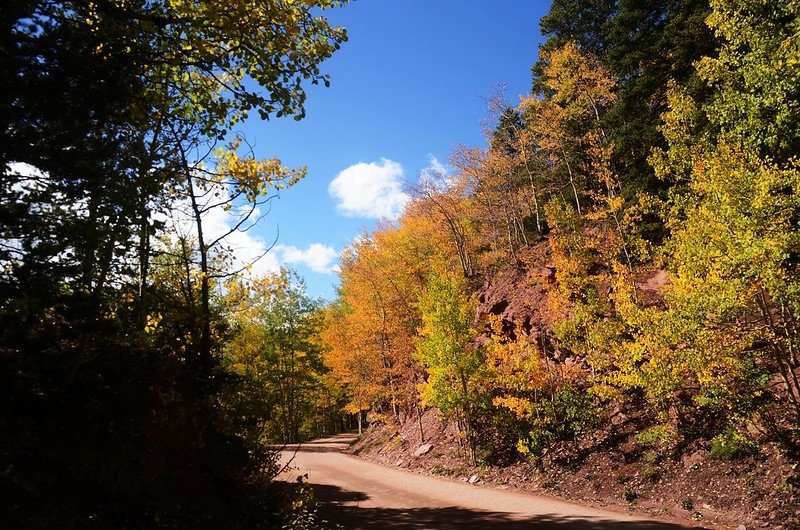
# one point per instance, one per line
(248, 250)
(251, 252)
(434, 171)
(371, 190)
(317, 257)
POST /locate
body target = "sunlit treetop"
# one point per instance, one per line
(207, 61)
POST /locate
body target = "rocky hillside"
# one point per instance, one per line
(621, 460)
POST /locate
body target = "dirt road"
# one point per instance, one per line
(361, 495)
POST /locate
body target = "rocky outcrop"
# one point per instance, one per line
(519, 296)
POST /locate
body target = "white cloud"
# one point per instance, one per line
(317, 257)
(436, 175)
(251, 252)
(435, 170)
(247, 250)
(371, 190)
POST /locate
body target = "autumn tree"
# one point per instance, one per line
(351, 366)
(736, 238)
(566, 121)
(169, 70)
(371, 328)
(644, 44)
(443, 200)
(444, 348)
(381, 275)
(277, 345)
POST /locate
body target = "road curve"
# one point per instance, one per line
(357, 494)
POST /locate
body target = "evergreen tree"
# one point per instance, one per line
(643, 44)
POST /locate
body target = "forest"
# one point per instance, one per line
(127, 401)
(626, 243)
(625, 247)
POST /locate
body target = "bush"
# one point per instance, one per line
(130, 442)
(560, 416)
(731, 444)
(629, 494)
(656, 435)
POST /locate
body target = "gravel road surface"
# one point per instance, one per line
(357, 494)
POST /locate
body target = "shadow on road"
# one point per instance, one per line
(313, 448)
(335, 444)
(332, 508)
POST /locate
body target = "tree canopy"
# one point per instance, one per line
(625, 241)
(116, 114)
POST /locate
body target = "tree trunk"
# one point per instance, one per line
(419, 422)
(204, 346)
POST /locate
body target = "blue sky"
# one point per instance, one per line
(408, 87)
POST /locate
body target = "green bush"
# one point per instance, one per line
(731, 444)
(651, 472)
(656, 435)
(562, 415)
(629, 494)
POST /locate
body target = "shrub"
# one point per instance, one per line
(629, 494)
(556, 417)
(731, 444)
(656, 435)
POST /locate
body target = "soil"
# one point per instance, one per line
(758, 491)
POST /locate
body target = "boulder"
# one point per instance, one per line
(423, 449)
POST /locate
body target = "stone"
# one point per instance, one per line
(423, 449)
(473, 479)
(618, 419)
(693, 460)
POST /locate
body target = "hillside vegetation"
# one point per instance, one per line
(627, 246)
(617, 268)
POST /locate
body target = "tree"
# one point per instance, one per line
(380, 277)
(735, 231)
(371, 327)
(546, 398)
(567, 122)
(351, 366)
(222, 179)
(278, 346)
(516, 140)
(178, 72)
(643, 44)
(102, 105)
(444, 348)
(443, 201)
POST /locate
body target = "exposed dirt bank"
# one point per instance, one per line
(754, 492)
